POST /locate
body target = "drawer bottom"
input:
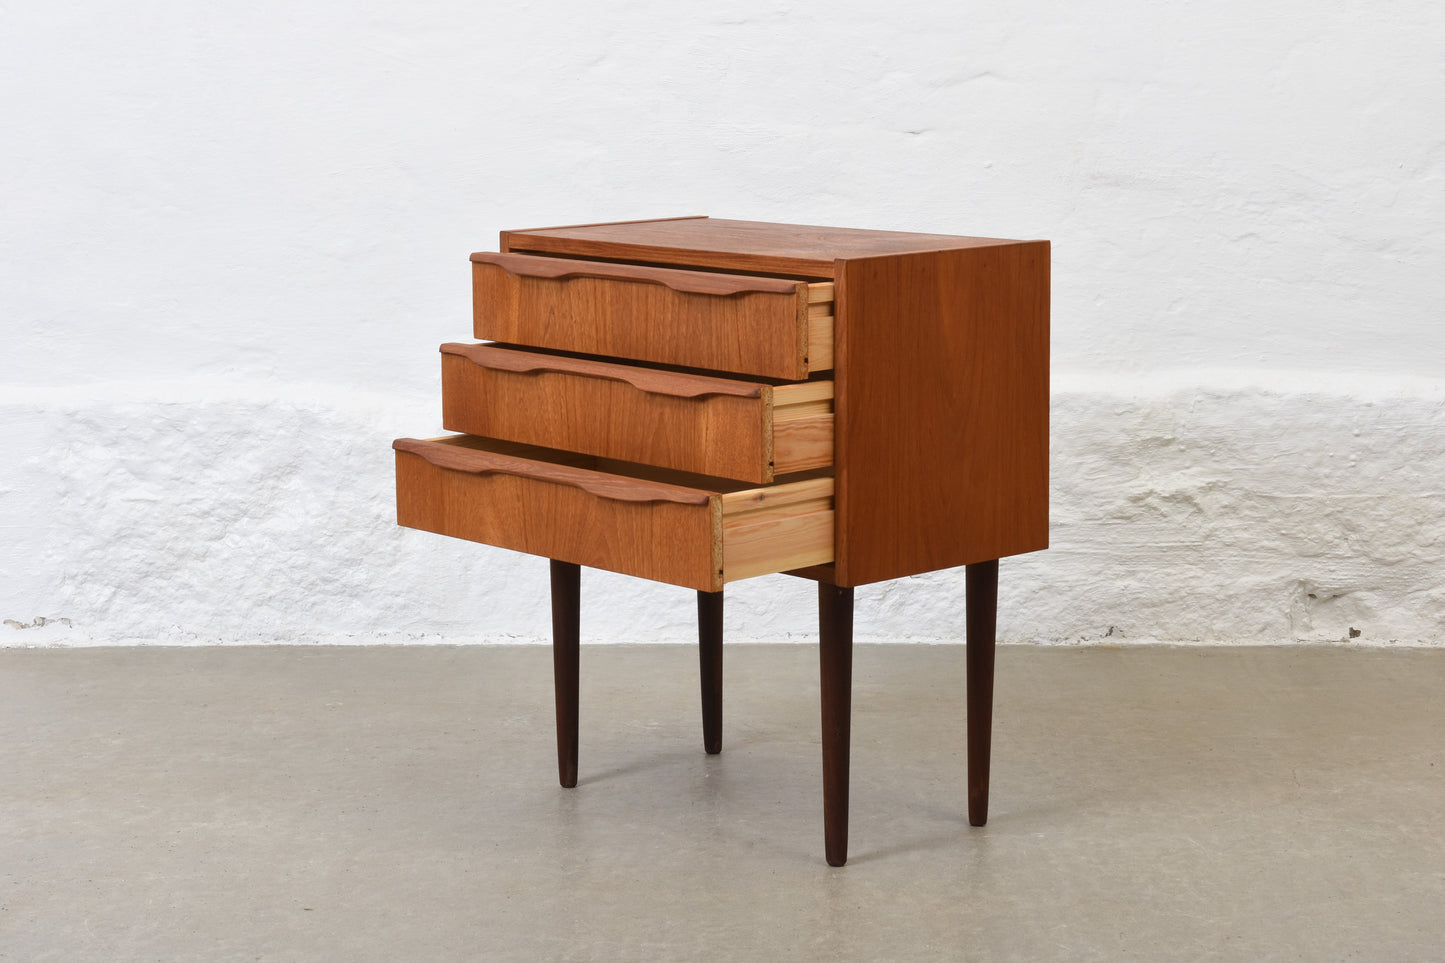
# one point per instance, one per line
(688, 530)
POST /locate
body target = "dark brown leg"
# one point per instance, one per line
(835, 657)
(710, 657)
(981, 616)
(566, 614)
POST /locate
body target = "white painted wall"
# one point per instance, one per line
(231, 238)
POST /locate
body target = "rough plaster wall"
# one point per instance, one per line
(233, 237)
(1240, 512)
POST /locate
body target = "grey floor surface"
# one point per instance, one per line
(281, 803)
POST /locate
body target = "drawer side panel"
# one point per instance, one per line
(778, 543)
(802, 442)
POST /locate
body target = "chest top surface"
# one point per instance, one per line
(738, 245)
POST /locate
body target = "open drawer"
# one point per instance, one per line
(748, 430)
(767, 326)
(672, 527)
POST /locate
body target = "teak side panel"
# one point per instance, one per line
(664, 541)
(761, 332)
(687, 422)
(942, 398)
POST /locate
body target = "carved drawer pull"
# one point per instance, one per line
(600, 484)
(651, 381)
(686, 282)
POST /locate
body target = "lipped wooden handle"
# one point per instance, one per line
(686, 282)
(670, 383)
(614, 487)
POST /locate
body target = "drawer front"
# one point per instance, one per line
(700, 538)
(693, 423)
(772, 327)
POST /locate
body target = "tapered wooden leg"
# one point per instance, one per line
(981, 616)
(835, 658)
(710, 658)
(566, 633)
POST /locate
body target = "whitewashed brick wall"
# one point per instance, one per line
(232, 237)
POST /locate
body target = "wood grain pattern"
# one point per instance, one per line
(778, 541)
(801, 441)
(754, 501)
(734, 245)
(942, 409)
(778, 528)
(808, 392)
(761, 331)
(693, 423)
(821, 353)
(695, 537)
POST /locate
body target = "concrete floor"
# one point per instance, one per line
(401, 804)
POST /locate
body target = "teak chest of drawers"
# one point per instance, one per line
(697, 401)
